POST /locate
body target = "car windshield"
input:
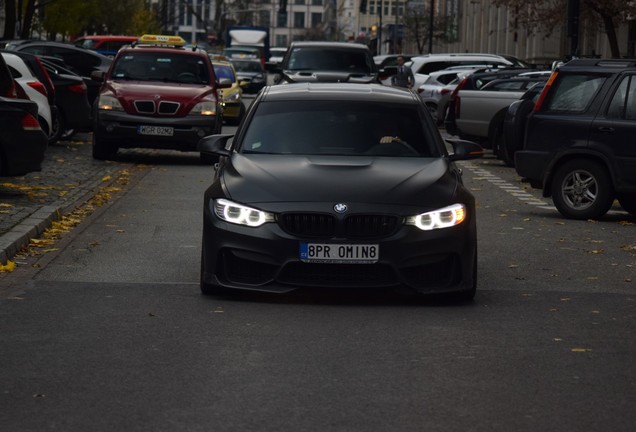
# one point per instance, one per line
(337, 128)
(247, 66)
(161, 66)
(223, 71)
(331, 59)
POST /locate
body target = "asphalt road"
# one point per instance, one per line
(108, 331)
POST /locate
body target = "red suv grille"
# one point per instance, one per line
(149, 107)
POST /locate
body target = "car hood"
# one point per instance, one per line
(400, 181)
(174, 91)
(185, 94)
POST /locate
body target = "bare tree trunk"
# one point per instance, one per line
(9, 23)
(610, 29)
(25, 31)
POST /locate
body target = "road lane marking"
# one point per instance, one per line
(515, 191)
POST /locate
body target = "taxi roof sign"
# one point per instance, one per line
(151, 39)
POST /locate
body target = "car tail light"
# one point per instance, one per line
(30, 123)
(444, 91)
(78, 88)
(455, 99)
(37, 85)
(548, 84)
(12, 91)
(20, 93)
(47, 77)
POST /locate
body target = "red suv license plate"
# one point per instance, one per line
(155, 130)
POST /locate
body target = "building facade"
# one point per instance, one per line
(387, 26)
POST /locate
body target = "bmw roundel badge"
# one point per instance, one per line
(340, 208)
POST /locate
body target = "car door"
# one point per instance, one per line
(613, 130)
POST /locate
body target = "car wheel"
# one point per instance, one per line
(506, 155)
(102, 149)
(628, 202)
(58, 126)
(582, 189)
(67, 134)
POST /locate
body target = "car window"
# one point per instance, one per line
(168, 67)
(330, 59)
(222, 71)
(623, 103)
(247, 66)
(327, 128)
(14, 72)
(574, 92)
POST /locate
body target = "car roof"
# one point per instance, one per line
(340, 91)
(163, 49)
(310, 44)
(61, 45)
(600, 64)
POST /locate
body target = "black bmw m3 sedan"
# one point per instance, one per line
(338, 185)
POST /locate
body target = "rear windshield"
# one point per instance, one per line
(338, 128)
(574, 92)
(331, 59)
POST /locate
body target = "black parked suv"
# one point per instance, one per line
(579, 144)
(326, 62)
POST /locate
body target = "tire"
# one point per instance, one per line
(103, 150)
(498, 142)
(582, 189)
(67, 134)
(628, 202)
(58, 127)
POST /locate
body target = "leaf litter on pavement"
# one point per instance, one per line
(46, 241)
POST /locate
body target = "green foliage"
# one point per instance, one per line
(74, 17)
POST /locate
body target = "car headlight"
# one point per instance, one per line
(241, 215)
(109, 103)
(206, 108)
(442, 218)
(231, 98)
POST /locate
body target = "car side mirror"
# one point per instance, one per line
(215, 144)
(224, 83)
(465, 150)
(98, 75)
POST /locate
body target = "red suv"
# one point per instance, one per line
(157, 94)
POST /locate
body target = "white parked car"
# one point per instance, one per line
(436, 86)
(32, 87)
(424, 65)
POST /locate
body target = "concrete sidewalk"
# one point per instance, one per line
(29, 204)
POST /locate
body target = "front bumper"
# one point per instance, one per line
(267, 258)
(123, 129)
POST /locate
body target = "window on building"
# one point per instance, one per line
(316, 2)
(264, 18)
(299, 19)
(281, 40)
(299, 2)
(316, 19)
(281, 20)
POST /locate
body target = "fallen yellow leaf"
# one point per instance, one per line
(8, 267)
(580, 350)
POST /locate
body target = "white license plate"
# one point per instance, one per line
(339, 253)
(155, 130)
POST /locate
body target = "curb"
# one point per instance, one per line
(35, 224)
